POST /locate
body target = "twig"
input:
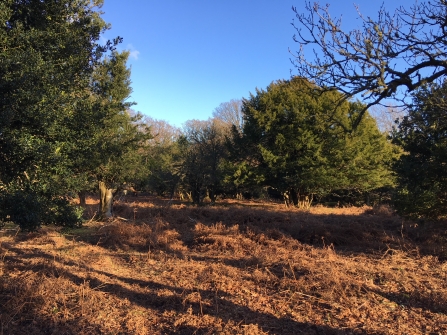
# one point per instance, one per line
(293, 272)
(315, 298)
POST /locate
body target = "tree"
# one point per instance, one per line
(49, 50)
(115, 156)
(294, 141)
(421, 170)
(162, 160)
(162, 132)
(390, 56)
(203, 149)
(387, 117)
(230, 113)
(124, 160)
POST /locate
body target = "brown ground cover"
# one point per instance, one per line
(234, 268)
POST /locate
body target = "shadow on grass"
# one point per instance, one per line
(422, 300)
(351, 233)
(28, 317)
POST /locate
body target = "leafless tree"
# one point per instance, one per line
(163, 133)
(387, 57)
(230, 113)
(386, 117)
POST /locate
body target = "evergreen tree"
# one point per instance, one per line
(422, 173)
(203, 150)
(117, 133)
(162, 158)
(294, 140)
(49, 50)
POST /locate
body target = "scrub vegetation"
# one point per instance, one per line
(237, 268)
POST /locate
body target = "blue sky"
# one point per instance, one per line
(188, 56)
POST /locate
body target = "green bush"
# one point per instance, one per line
(30, 210)
(421, 171)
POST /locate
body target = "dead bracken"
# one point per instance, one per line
(234, 268)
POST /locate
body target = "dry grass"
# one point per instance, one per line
(248, 268)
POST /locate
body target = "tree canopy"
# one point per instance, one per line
(294, 141)
(203, 149)
(387, 57)
(51, 49)
(230, 113)
(421, 170)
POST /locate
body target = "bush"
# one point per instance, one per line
(30, 210)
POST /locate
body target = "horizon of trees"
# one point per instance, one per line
(226, 159)
(66, 126)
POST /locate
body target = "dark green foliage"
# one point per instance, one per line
(422, 173)
(49, 50)
(44, 66)
(164, 170)
(22, 208)
(30, 208)
(117, 133)
(159, 156)
(202, 152)
(295, 141)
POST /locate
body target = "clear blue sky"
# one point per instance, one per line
(188, 56)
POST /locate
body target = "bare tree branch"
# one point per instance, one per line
(388, 57)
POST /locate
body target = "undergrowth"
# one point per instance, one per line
(163, 268)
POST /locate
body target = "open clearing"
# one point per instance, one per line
(234, 268)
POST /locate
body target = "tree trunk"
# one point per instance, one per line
(212, 195)
(286, 198)
(105, 200)
(197, 193)
(367, 199)
(81, 195)
(293, 196)
(195, 196)
(305, 201)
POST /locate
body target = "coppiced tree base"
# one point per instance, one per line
(105, 201)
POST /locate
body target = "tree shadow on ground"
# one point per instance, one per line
(424, 300)
(143, 293)
(358, 233)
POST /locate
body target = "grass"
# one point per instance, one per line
(239, 268)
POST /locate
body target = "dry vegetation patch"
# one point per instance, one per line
(161, 268)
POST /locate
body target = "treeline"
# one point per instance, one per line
(67, 128)
(288, 142)
(294, 142)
